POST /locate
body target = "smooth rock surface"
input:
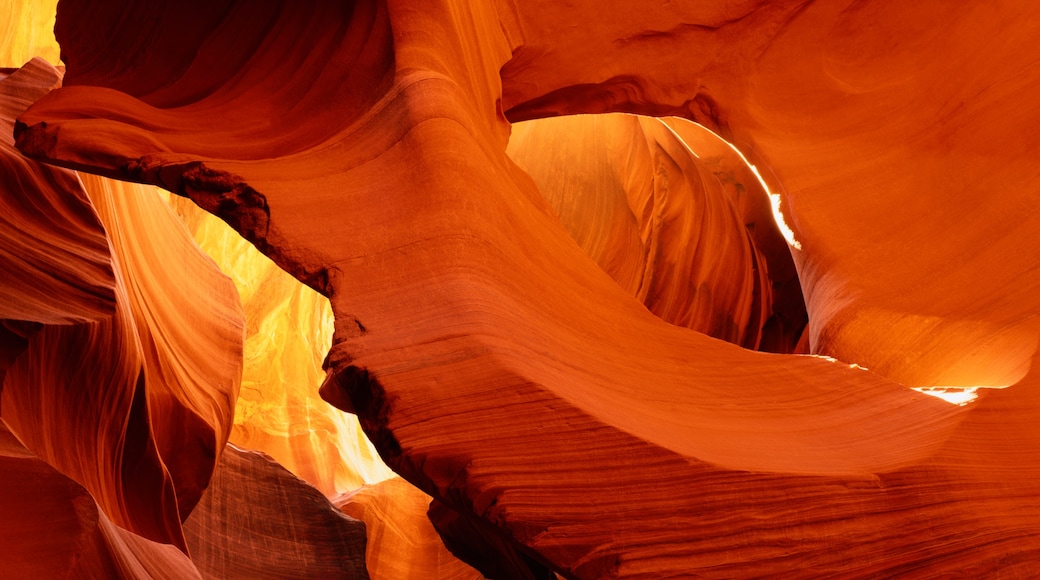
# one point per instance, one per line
(680, 234)
(51, 528)
(53, 249)
(126, 381)
(497, 367)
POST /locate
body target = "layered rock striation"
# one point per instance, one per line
(498, 367)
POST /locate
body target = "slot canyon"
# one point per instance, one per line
(465, 289)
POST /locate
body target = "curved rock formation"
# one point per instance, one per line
(401, 541)
(115, 389)
(885, 131)
(680, 235)
(52, 528)
(496, 366)
(53, 249)
(134, 407)
(288, 333)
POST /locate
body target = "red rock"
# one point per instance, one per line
(496, 366)
(190, 333)
(53, 250)
(680, 234)
(52, 528)
(134, 407)
(116, 389)
(887, 163)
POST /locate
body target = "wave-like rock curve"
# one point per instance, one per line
(498, 368)
(126, 381)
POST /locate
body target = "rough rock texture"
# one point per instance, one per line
(496, 366)
(477, 542)
(257, 520)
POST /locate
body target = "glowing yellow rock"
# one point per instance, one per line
(288, 333)
(27, 30)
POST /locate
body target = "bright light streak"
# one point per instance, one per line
(834, 360)
(774, 201)
(955, 395)
(778, 217)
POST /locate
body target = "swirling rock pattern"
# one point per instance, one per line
(55, 257)
(884, 131)
(52, 528)
(637, 198)
(496, 366)
(190, 335)
(104, 377)
(135, 407)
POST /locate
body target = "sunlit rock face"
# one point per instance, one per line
(26, 30)
(520, 379)
(401, 541)
(124, 349)
(288, 332)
